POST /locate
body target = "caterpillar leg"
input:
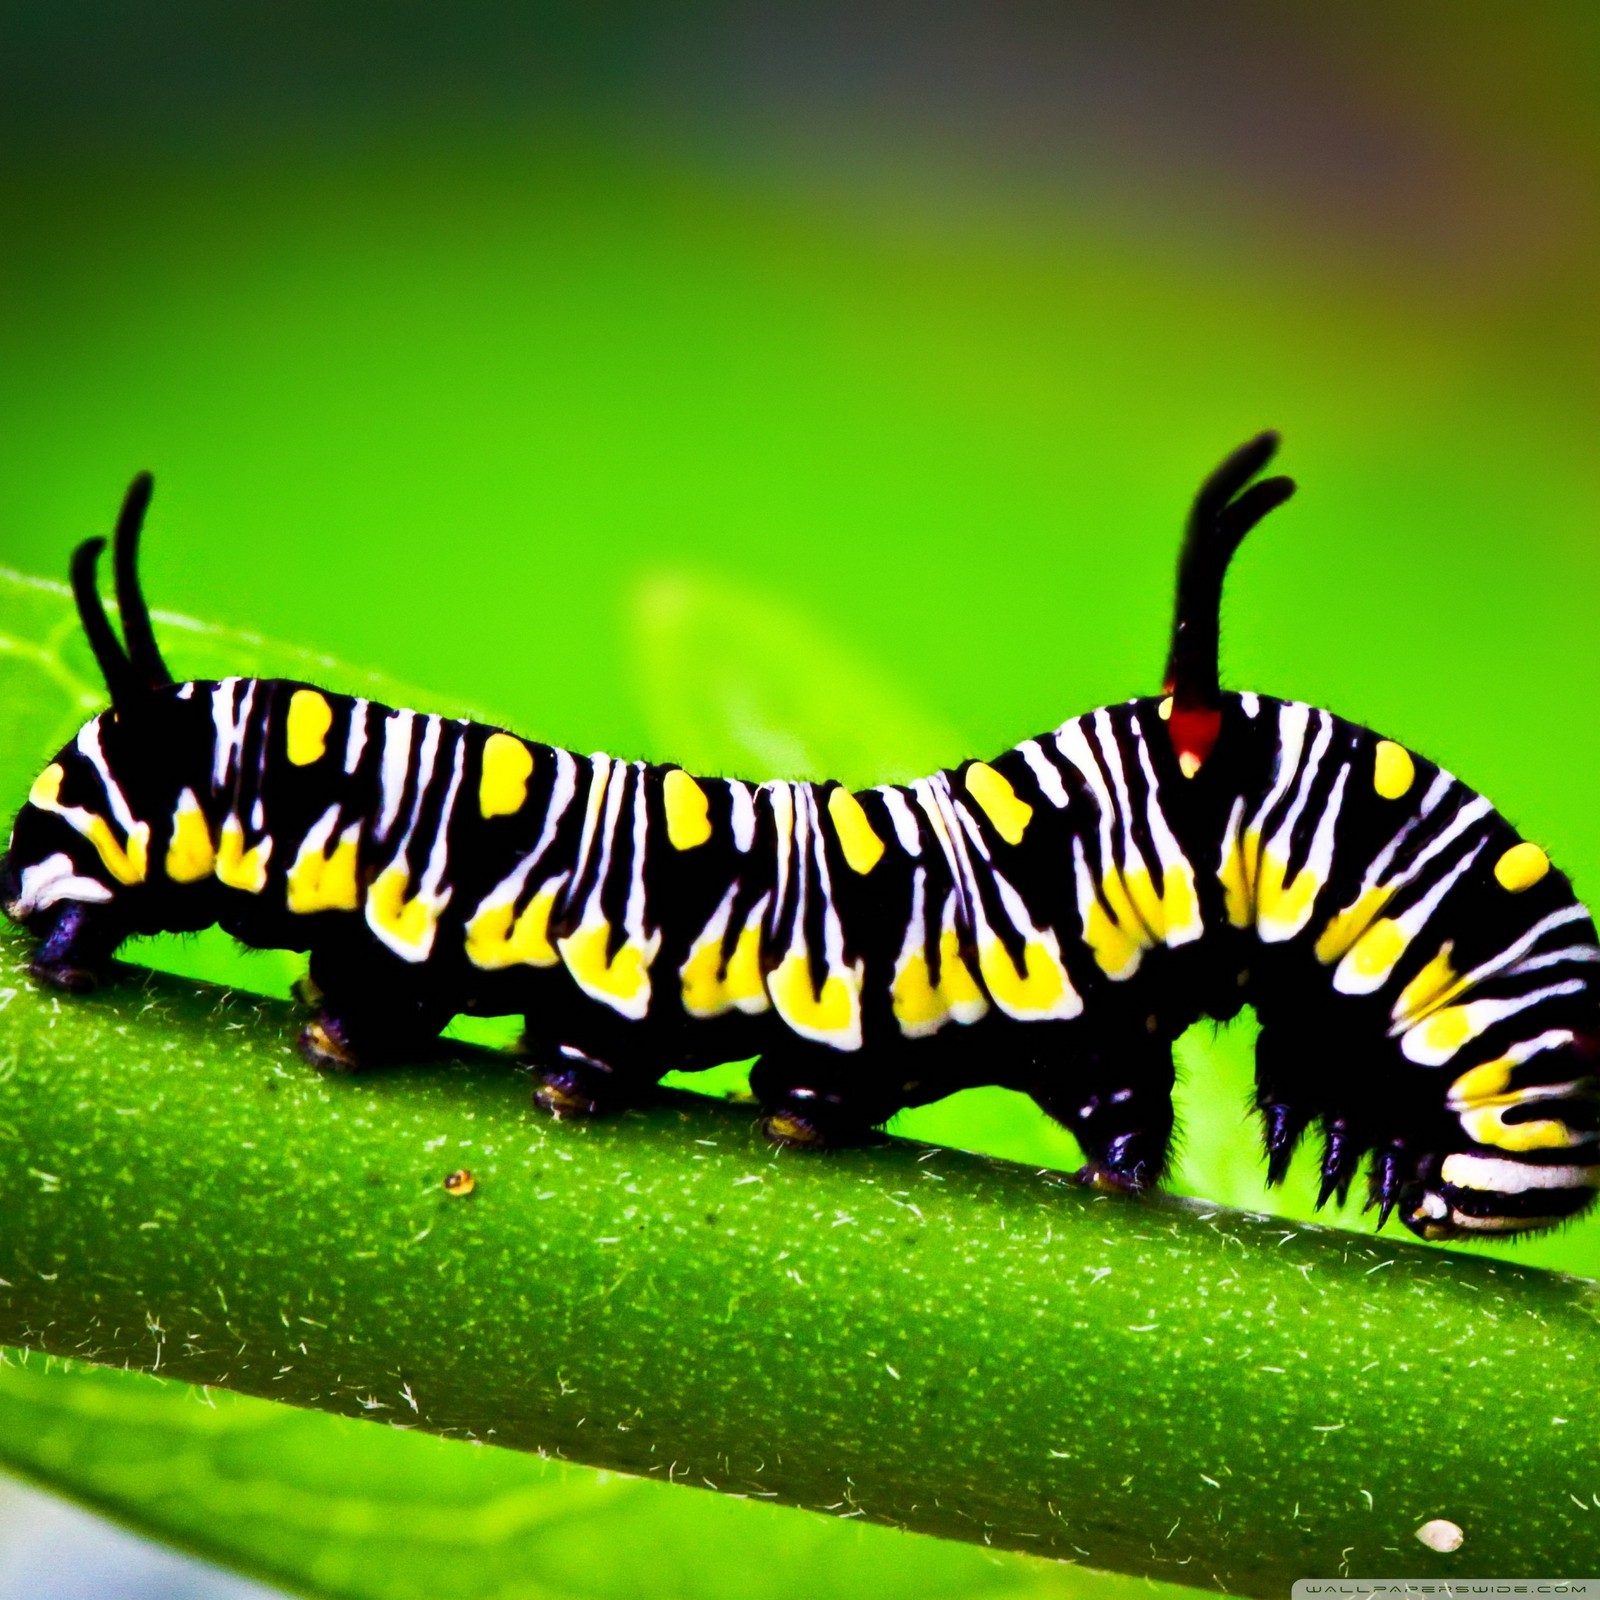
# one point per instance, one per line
(1396, 1178)
(365, 1019)
(812, 1098)
(74, 953)
(571, 1083)
(1305, 1077)
(353, 1038)
(1284, 1097)
(1118, 1105)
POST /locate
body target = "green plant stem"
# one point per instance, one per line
(914, 1336)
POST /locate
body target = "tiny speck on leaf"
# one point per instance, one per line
(1440, 1535)
(460, 1182)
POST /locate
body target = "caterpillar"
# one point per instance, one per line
(1050, 920)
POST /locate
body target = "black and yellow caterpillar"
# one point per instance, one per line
(1050, 920)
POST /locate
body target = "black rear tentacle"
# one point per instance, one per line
(145, 658)
(115, 667)
(1226, 509)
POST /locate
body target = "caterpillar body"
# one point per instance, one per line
(1049, 920)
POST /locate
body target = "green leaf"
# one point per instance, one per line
(350, 1508)
(735, 680)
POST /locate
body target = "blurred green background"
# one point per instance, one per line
(764, 386)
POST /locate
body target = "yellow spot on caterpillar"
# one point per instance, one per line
(919, 1008)
(1171, 917)
(1117, 897)
(688, 810)
(1373, 955)
(831, 1015)
(1481, 1083)
(704, 994)
(497, 937)
(190, 854)
(1146, 904)
(1164, 710)
(306, 732)
(238, 868)
(1136, 920)
(863, 849)
(406, 925)
(621, 980)
(999, 801)
(318, 882)
(1236, 883)
(1483, 1095)
(1283, 909)
(1487, 1125)
(955, 979)
(460, 1183)
(1117, 951)
(503, 784)
(125, 864)
(46, 790)
(1189, 762)
(1522, 866)
(709, 990)
(742, 982)
(1180, 905)
(1433, 1041)
(922, 1007)
(1041, 990)
(1393, 770)
(1436, 983)
(1347, 926)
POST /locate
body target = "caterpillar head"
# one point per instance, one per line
(78, 843)
(110, 832)
(76, 838)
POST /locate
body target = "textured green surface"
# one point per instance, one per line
(926, 1338)
(358, 1510)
